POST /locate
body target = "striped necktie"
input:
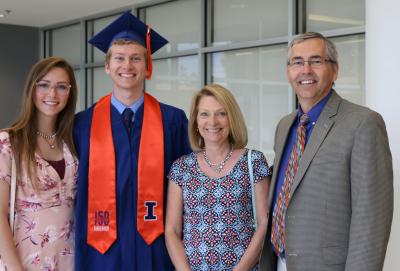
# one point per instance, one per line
(279, 213)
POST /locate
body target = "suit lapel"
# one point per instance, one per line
(280, 142)
(318, 135)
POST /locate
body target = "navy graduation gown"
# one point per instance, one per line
(129, 251)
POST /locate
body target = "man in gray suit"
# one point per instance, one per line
(331, 202)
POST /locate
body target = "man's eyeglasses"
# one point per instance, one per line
(298, 63)
(44, 87)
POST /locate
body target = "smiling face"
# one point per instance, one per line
(212, 121)
(51, 96)
(127, 67)
(311, 84)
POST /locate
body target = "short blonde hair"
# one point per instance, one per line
(124, 42)
(237, 125)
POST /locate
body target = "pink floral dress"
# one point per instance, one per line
(44, 224)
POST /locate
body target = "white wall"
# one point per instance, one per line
(383, 94)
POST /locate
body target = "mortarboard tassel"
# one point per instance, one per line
(149, 59)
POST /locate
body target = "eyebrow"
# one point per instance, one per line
(316, 56)
(313, 56)
(217, 110)
(124, 53)
(57, 83)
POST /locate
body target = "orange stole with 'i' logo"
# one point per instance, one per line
(102, 221)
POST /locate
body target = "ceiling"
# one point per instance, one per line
(40, 13)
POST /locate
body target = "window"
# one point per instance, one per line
(98, 25)
(240, 44)
(102, 83)
(80, 103)
(175, 80)
(178, 21)
(351, 80)
(66, 43)
(239, 20)
(257, 78)
(327, 15)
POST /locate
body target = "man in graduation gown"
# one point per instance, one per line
(126, 144)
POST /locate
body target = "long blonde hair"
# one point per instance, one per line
(22, 132)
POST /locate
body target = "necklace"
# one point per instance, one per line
(48, 138)
(217, 167)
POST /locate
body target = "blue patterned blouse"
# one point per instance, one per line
(217, 212)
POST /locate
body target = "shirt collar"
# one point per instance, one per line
(121, 107)
(316, 110)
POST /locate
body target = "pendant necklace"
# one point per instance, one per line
(48, 138)
(217, 167)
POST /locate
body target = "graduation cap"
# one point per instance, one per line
(128, 27)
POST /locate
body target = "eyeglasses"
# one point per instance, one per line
(44, 87)
(317, 62)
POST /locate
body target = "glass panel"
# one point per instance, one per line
(351, 79)
(175, 80)
(102, 83)
(80, 103)
(257, 78)
(99, 25)
(326, 14)
(67, 44)
(183, 33)
(246, 20)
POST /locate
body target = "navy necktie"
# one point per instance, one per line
(127, 118)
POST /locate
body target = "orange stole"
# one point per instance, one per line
(102, 222)
(151, 172)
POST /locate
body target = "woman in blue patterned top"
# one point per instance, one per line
(209, 224)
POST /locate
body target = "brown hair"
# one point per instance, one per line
(237, 125)
(22, 132)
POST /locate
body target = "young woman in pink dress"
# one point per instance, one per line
(40, 141)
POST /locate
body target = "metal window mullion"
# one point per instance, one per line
(293, 21)
(246, 45)
(82, 81)
(42, 43)
(348, 31)
(209, 11)
(302, 16)
(50, 43)
(202, 43)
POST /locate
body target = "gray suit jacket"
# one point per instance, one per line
(341, 206)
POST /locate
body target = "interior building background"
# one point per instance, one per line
(240, 44)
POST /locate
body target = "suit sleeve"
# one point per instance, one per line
(371, 196)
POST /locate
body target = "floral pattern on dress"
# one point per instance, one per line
(217, 212)
(44, 222)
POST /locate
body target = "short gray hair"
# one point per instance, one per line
(330, 48)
